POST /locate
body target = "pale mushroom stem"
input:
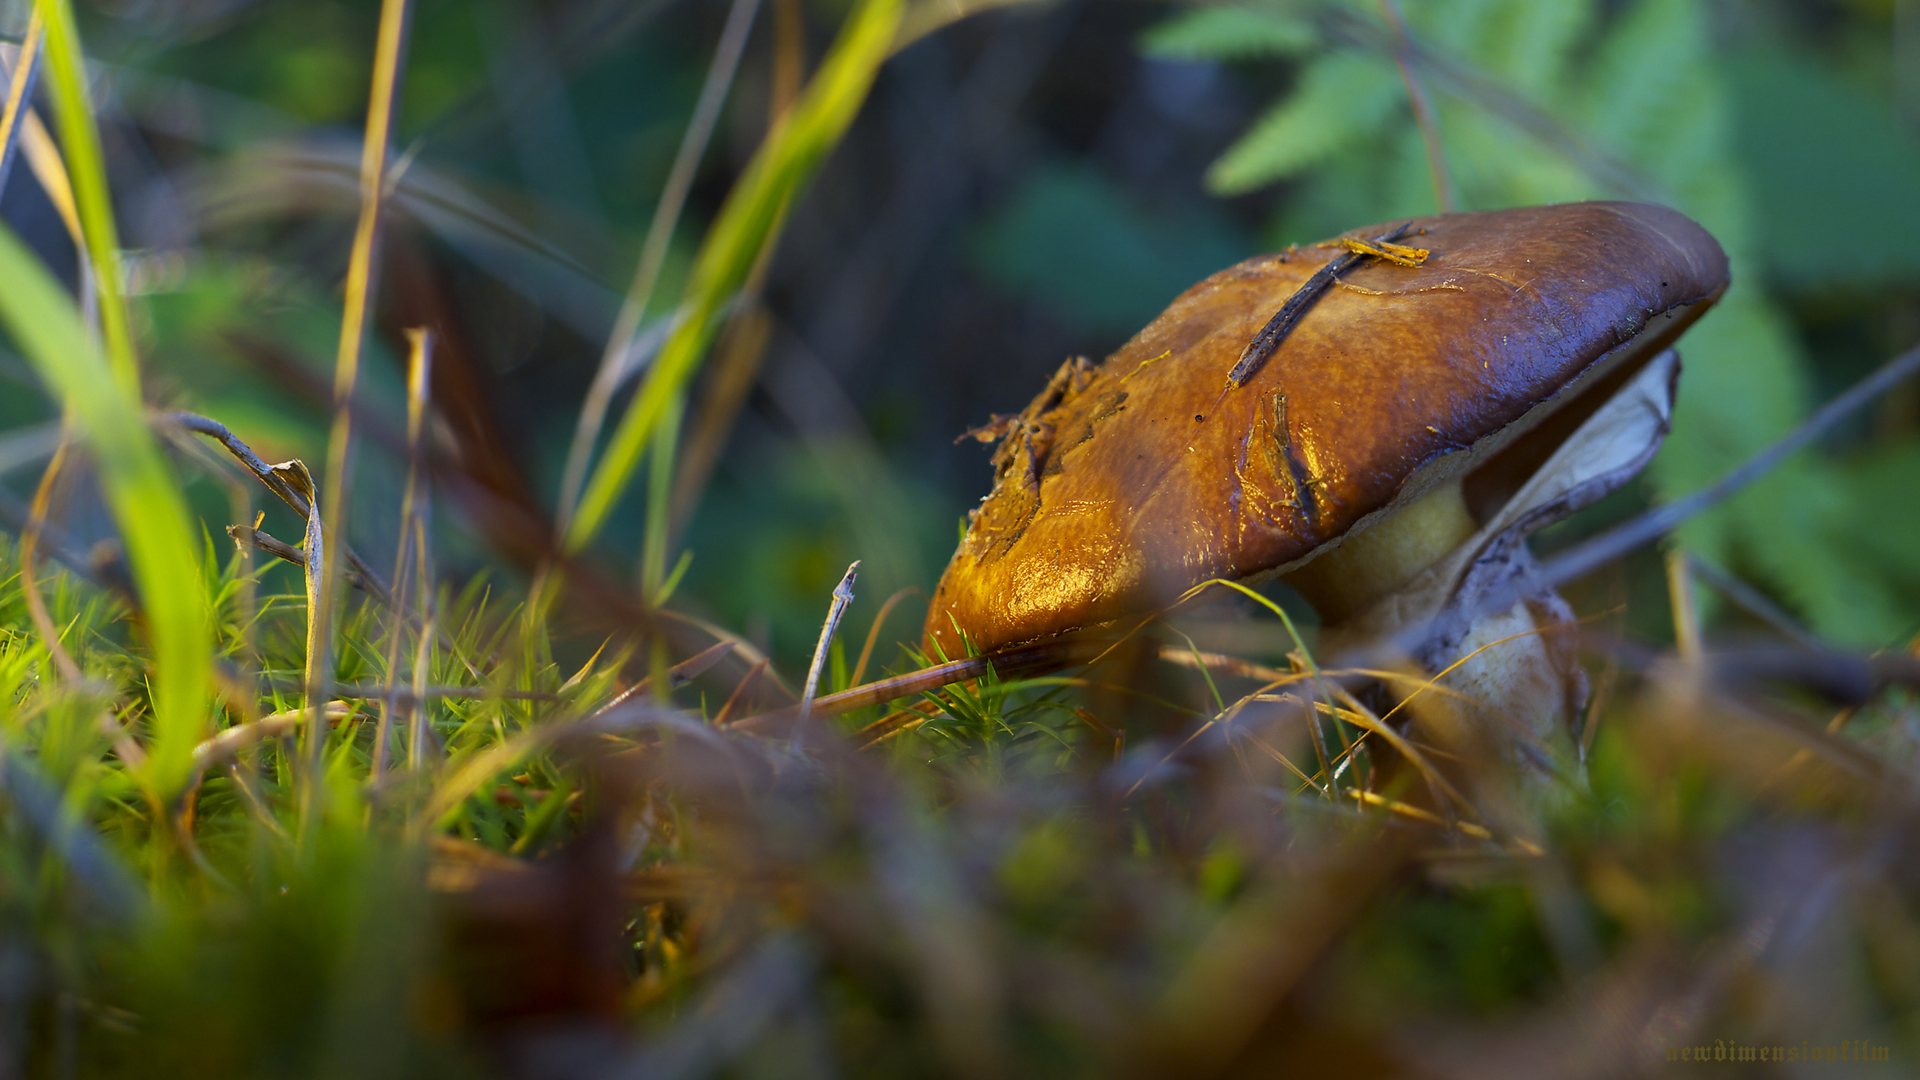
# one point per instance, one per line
(1379, 560)
(1511, 671)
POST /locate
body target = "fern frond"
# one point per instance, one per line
(1343, 98)
(1648, 81)
(1528, 42)
(1230, 33)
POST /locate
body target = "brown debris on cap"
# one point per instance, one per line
(1124, 484)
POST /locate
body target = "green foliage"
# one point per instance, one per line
(140, 488)
(1831, 171)
(1343, 100)
(1554, 102)
(1066, 875)
(996, 725)
(1230, 32)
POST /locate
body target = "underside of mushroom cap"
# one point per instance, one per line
(1125, 484)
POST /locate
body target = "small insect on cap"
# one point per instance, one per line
(1188, 456)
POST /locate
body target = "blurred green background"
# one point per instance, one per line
(1032, 182)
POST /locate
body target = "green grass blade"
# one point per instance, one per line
(80, 145)
(748, 222)
(140, 489)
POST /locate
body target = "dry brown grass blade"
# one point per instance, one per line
(227, 745)
(740, 691)
(1025, 659)
(873, 632)
(890, 725)
(677, 676)
(260, 540)
(358, 574)
(29, 581)
(319, 662)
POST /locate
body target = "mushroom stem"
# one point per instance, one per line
(1505, 665)
(1381, 559)
(1519, 673)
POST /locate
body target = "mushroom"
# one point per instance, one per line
(1388, 457)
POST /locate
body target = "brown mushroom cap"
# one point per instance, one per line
(1110, 499)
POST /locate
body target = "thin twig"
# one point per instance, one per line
(1349, 28)
(1608, 546)
(228, 744)
(1444, 195)
(280, 549)
(1268, 340)
(1054, 654)
(1590, 555)
(677, 676)
(369, 582)
(361, 576)
(1754, 602)
(836, 610)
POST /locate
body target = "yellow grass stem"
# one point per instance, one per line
(381, 105)
(80, 145)
(19, 89)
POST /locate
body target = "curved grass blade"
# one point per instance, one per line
(26, 71)
(748, 222)
(140, 489)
